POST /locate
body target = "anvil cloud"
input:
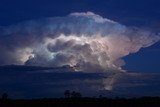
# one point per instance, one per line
(85, 41)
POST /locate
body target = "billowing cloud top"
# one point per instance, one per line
(86, 41)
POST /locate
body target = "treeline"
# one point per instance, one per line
(75, 99)
(83, 102)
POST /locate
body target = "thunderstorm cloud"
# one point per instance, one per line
(85, 41)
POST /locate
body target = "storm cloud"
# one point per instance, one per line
(85, 41)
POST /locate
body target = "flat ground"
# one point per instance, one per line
(84, 102)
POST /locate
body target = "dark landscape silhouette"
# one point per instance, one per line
(74, 99)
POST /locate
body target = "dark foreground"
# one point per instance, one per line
(83, 102)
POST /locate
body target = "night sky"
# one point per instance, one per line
(138, 14)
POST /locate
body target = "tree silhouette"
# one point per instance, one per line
(67, 94)
(73, 94)
(76, 94)
(4, 96)
(100, 96)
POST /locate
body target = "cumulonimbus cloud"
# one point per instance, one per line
(86, 41)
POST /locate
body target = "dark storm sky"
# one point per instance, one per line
(141, 13)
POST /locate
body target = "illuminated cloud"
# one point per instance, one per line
(85, 41)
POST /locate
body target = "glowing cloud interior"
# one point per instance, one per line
(86, 41)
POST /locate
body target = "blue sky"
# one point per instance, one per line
(137, 12)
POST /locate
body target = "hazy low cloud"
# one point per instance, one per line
(39, 84)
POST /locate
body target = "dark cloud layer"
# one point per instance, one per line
(31, 82)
